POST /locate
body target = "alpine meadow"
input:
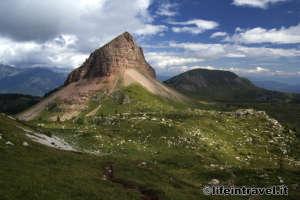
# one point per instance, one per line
(149, 99)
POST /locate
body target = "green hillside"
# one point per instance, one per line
(223, 86)
(156, 149)
(15, 103)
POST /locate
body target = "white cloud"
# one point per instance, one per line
(215, 51)
(164, 59)
(202, 49)
(173, 70)
(239, 70)
(290, 35)
(195, 26)
(59, 52)
(256, 3)
(193, 30)
(165, 62)
(12, 51)
(44, 20)
(256, 70)
(151, 29)
(167, 9)
(219, 34)
(90, 3)
(242, 71)
(185, 56)
(24, 24)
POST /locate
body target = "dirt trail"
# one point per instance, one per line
(146, 194)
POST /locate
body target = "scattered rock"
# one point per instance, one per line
(10, 117)
(53, 141)
(9, 143)
(244, 112)
(126, 100)
(213, 165)
(214, 182)
(25, 144)
(143, 164)
(280, 179)
(104, 177)
(108, 173)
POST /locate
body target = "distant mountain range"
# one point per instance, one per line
(39, 81)
(30, 81)
(277, 86)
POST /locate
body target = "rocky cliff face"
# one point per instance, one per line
(110, 68)
(116, 56)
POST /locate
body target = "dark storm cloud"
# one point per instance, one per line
(29, 20)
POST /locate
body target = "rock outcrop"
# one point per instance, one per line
(117, 64)
(116, 56)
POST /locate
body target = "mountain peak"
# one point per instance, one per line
(205, 78)
(111, 68)
(127, 36)
(125, 39)
(113, 58)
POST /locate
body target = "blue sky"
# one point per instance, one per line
(267, 35)
(254, 38)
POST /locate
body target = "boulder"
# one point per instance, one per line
(214, 182)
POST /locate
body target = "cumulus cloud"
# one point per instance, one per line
(256, 3)
(27, 28)
(195, 26)
(63, 33)
(219, 34)
(242, 71)
(173, 70)
(43, 20)
(238, 70)
(290, 35)
(216, 50)
(60, 51)
(164, 59)
(256, 70)
(186, 56)
(263, 71)
(150, 29)
(167, 9)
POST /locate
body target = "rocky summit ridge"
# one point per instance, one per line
(113, 58)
